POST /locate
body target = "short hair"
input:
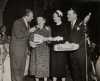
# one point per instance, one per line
(73, 10)
(27, 11)
(41, 17)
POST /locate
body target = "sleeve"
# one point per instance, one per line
(66, 33)
(81, 32)
(49, 34)
(49, 31)
(18, 30)
(31, 37)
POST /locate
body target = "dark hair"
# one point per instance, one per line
(74, 10)
(59, 15)
(27, 11)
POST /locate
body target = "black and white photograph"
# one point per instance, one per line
(49, 40)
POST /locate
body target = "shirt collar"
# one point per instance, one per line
(26, 23)
(73, 23)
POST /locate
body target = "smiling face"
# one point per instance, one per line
(41, 21)
(71, 15)
(56, 18)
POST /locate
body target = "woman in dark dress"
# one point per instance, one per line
(59, 63)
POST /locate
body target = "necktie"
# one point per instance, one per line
(28, 26)
(72, 26)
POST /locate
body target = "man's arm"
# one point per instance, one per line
(18, 30)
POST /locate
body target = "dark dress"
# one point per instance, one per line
(39, 63)
(59, 60)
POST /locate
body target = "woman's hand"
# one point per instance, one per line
(58, 38)
(32, 29)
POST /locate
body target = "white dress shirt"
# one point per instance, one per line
(73, 23)
(26, 23)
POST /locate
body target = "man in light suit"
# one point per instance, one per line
(19, 45)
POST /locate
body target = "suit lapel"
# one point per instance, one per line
(27, 27)
(76, 25)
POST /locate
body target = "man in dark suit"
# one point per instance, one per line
(78, 57)
(19, 45)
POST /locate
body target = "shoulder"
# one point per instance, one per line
(18, 24)
(18, 21)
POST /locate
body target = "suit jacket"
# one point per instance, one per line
(18, 49)
(19, 38)
(77, 34)
(78, 57)
(20, 30)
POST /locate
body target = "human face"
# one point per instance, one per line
(41, 21)
(71, 16)
(30, 17)
(56, 18)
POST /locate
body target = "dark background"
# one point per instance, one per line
(15, 8)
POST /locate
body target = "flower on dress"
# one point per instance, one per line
(78, 28)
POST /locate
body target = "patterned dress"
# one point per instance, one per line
(5, 73)
(39, 65)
